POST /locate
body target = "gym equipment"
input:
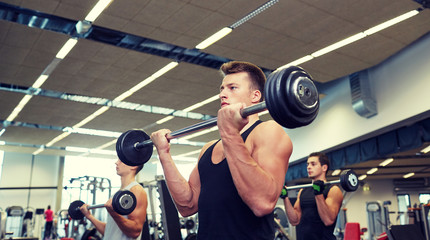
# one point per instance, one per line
(123, 202)
(291, 98)
(348, 181)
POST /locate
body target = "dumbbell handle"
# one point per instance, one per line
(96, 206)
(245, 112)
(310, 185)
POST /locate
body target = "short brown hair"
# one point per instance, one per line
(322, 158)
(256, 74)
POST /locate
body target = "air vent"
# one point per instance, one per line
(363, 101)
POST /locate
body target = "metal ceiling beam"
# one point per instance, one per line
(102, 102)
(36, 19)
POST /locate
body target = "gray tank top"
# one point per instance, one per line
(112, 231)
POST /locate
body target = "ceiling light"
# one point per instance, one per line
(296, 62)
(202, 103)
(57, 138)
(91, 117)
(362, 177)
(77, 149)
(426, 149)
(40, 80)
(97, 10)
(391, 22)
(214, 38)
(335, 172)
(18, 108)
(201, 133)
(68, 46)
(94, 132)
(2, 131)
(386, 162)
(164, 120)
(408, 175)
(2, 143)
(39, 150)
(371, 171)
(339, 44)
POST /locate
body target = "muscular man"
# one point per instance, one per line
(315, 211)
(238, 179)
(120, 227)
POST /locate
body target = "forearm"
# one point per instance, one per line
(326, 214)
(292, 214)
(179, 187)
(257, 188)
(100, 226)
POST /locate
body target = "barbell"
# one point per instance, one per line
(291, 98)
(348, 181)
(123, 202)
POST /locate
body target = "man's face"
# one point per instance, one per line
(122, 168)
(236, 88)
(314, 167)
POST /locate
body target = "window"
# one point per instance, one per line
(404, 201)
(424, 198)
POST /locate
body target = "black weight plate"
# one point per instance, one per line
(74, 211)
(124, 202)
(280, 92)
(126, 151)
(280, 214)
(270, 96)
(349, 180)
(89, 234)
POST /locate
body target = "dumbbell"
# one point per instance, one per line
(123, 202)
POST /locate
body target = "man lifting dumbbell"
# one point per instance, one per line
(118, 226)
(316, 208)
(237, 181)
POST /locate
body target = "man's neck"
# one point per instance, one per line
(126, 180)
(252, 119)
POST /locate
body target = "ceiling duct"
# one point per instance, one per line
(363, 101)
(411, 183)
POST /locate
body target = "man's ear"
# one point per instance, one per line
(324, 167)
(256, 96)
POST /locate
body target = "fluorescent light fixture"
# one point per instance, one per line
(426, 149)
(2, 143)
(296, 62)
(362, 177)
(57, 138)
(168, 118)
(40, 80)
(39, 150)
(68, 46)
(202, 103)
(408, 175)
(386, 162)
(77, 149)
(214, 38)
(19, 107)
(94, 132)
(97, 10)
(335, 172)
(212, 129)
(91, 117)
(372, 171)
(2, 131)
(391, 22)
(339, 44)
(148, 80)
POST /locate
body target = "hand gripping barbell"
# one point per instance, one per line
(348, 181)
(123, 202)
(291, 98)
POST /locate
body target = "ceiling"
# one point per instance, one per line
(281, 34)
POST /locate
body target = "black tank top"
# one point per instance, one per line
(222, 213)
(311, 226)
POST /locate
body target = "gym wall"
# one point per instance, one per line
(399, 85)
(22, 170)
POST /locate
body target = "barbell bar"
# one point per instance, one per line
(291, 98)
(348, 181)
(123, 202)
